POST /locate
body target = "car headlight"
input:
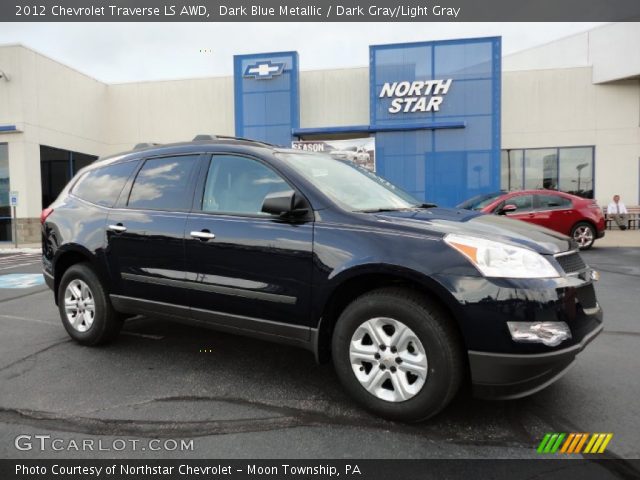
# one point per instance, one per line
(497, 259)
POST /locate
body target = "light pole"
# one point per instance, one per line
(579, 168)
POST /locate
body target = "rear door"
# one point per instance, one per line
(246, 267)
(554, 212)
(145, 233)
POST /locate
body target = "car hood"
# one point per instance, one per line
(440, 221)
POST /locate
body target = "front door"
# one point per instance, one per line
(246, 267)
(145, 235)
(524, 207)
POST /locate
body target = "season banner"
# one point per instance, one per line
(361, 151)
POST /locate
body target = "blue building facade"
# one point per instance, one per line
(434, 111)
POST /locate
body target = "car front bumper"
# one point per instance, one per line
(504, 376)
(501, 367)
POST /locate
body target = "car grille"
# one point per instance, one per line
(571, 262)
(586, 296)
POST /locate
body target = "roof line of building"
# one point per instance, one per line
(559, 39)
(60, 62)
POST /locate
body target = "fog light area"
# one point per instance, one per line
(550, 334)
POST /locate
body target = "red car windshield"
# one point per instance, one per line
(480, 201)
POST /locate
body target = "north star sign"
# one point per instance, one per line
(416, 96)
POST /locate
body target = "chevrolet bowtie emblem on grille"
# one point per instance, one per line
(263, 70)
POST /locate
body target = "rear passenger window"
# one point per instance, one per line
(102, 186)
(163, 184)
(239, 185)
(551, 202)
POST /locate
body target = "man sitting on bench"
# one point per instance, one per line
(618, 212)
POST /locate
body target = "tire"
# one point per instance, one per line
(96, 325)
(584, 235)
(430, 391)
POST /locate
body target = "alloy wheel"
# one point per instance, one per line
(79, 305)
(388, 359)
(583, 236)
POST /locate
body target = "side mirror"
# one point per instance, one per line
(509, 208)
(285, 205)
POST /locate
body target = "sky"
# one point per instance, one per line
(129, 52)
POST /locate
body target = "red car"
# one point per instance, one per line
(580, 218)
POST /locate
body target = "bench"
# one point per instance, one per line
(633, 218)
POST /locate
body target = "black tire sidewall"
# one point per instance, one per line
(96, 333)
(593, 233)
(437, 342)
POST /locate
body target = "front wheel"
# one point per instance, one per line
(397, 354)
(584, 235)
(84, 306)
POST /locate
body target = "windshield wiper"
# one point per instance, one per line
(391, 209)
(379, 210)
(426, 205)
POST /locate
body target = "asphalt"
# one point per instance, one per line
(241, 398)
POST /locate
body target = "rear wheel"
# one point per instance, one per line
(397, 354)
(584, 235)
(84, 306)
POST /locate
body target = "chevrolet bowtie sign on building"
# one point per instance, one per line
(263, 70)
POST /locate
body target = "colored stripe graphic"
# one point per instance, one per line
(606, 441)
(583, 439)
(574, 442)
(567, 443)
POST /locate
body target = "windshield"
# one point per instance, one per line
(353, 187)
(479, 201)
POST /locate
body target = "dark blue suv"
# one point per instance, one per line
(408, 300)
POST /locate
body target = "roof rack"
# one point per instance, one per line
(140, 146)
(207, 136)
(204, 136)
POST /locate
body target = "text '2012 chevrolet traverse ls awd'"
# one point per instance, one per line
(408, 300)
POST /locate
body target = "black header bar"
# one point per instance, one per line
(351, 469)
(318, 10)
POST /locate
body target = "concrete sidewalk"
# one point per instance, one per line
(6, 247)
(619, 238)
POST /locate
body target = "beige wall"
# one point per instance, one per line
(169, 111)
(333, 98)
(562, 107)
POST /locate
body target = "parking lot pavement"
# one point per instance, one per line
(242, 398)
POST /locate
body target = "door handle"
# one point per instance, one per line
(119, 228)
(204, 235)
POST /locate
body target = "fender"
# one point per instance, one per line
(324, 297)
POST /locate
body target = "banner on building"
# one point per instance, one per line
(360, 151)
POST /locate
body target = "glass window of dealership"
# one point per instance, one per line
(569, 169)
(5, 208)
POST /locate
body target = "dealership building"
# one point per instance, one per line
(450, 119)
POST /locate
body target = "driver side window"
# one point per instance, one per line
(524, 203)
(239, 185)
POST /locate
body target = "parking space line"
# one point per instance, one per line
(144, 335)
(18, 266)
(25, 319)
